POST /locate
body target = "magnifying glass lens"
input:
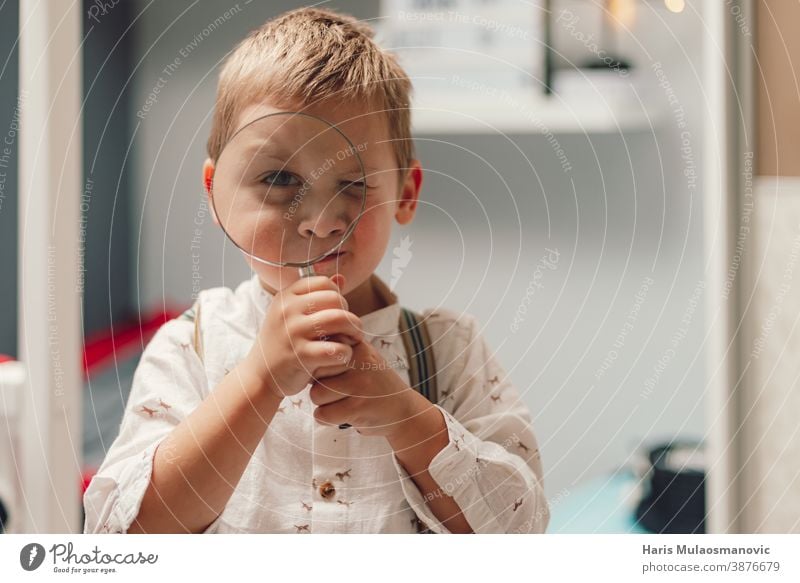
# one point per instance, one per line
(289, 189)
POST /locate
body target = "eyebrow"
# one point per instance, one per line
(268, 148)
(370, 172)
(260, 148)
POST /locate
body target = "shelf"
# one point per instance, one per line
(580, 104)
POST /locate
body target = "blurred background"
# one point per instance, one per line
(588, 167)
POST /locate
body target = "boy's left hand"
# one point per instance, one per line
(370, 396)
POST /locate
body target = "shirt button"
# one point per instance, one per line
(327, 490)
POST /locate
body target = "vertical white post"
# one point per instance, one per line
(49, 298)
(728, 135)
(719, 495)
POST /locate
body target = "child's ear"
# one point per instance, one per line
(208, 180)
(409, 193)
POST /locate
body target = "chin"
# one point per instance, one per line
(276, 278)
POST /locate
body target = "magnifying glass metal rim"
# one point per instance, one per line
(306, 267)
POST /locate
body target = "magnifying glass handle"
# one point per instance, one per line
(308, 271)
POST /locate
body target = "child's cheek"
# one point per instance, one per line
(372, 233)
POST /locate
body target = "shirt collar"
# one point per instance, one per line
(381, 322)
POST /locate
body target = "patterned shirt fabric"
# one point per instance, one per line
(305, 477)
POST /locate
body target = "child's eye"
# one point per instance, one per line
(356, 187)
(280, 178)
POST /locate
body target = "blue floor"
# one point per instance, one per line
(602, 505)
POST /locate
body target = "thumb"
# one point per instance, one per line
(339, 280)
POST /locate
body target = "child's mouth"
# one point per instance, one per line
(333, 258)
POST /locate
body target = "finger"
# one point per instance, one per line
(328, 371)
(325, 323)
(364, 351)
(335, 413)
(306, 285)
(339, 280)
(322, 393)
(317, 354)
(320, 300)
(346, 339)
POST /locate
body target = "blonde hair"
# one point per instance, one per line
(309, 55)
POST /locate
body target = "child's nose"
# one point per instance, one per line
(323, 226)
(327, 211)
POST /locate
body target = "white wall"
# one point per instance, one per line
(629, 217)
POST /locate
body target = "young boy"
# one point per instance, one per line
(236, 418)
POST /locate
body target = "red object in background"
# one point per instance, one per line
(103, 347)
(88, 474)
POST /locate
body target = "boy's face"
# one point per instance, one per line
(391, 194)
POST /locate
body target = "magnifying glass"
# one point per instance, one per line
(288, 190)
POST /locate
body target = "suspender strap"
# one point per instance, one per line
(193, 315)
(422, 366)
(197, 339)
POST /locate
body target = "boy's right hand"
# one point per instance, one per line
(307, 332)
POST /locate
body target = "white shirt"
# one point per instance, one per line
(305, 477)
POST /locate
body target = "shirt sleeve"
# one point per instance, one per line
(491, 466)
(169, 383)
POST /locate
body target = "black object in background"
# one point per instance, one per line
(675, 503)
(3, 517)
(548, 47)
